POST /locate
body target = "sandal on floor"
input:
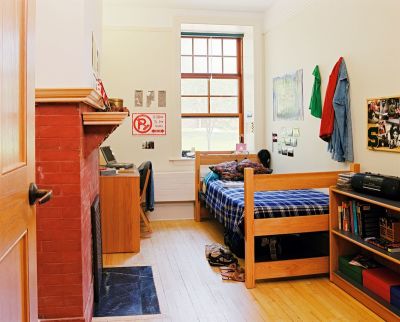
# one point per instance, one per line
(221, 260)
(230, 268)
(237, 276)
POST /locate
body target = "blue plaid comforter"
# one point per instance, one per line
(227, 204)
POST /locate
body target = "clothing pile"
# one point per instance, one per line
(335, 128)
(220, 255)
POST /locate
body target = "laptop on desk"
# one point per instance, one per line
(111, 162)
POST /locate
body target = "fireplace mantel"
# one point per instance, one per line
(70, 95)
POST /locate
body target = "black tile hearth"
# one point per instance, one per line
(127, 291)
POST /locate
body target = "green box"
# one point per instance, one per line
(351, 271)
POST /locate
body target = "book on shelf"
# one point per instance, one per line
(391, 247)
(359, 218)
(344, 180)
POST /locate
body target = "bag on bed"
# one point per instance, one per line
(219, 255)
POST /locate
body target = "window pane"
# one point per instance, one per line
(194, 86)
(213, 134)
(200, 46)
(224, 87)
(230, 47)
(224, 105)
(230, 66)
(200, 64)
(186, 65)
(186, 46)
(194, 104)
(215, 64)
(215, 47)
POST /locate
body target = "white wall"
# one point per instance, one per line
(364, 33)
(64, 42)
(142, 51)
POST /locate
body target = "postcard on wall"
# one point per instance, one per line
(162, 98)
(384, 124)
(287, 93)
(138, 98)
(150, 98)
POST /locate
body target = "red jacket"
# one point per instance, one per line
(328, 114)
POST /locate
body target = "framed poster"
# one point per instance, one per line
(149, 124)
(384, 123)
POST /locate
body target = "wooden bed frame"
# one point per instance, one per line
(274, 226)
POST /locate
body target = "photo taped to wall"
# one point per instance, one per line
(162, 98)
(138, 98)
(150, 98)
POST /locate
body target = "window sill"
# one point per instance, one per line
(181, 159)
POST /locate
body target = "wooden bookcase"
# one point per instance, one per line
(346, 243)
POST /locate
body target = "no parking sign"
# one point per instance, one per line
(149, 124)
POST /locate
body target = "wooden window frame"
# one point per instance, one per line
(238, 76)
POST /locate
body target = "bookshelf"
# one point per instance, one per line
(347, 243)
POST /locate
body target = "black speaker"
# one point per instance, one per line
(377, 184)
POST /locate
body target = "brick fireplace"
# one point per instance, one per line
(67, 162)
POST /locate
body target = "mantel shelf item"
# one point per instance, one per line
(103, 118)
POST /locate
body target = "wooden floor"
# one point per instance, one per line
(190, 290)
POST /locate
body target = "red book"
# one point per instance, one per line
(380, 280)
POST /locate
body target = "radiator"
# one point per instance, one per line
(173, 186)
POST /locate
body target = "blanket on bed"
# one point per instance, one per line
(227, 204)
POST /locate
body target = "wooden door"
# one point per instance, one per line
(18, 289)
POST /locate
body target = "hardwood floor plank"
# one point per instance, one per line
(189, 289)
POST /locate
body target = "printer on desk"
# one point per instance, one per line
(111, 161)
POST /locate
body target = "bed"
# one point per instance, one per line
(261, 222)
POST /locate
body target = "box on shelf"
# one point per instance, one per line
(380, 281)
(389, 229)
(351, 271)
(395, 296)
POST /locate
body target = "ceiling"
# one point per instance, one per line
(231, 5)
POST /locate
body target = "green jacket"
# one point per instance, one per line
(316, 102)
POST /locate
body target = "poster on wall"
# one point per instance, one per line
(384, 124)
(287, 91)
(149, 124)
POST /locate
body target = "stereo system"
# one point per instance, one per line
(377, 184)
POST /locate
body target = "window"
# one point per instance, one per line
(211, 92)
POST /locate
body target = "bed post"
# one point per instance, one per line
(196, 187)
(355, 167)
(249, 227)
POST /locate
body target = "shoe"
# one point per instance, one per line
(230, 268)
(237, 275)
(221, 260)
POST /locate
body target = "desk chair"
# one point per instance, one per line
(143, 215)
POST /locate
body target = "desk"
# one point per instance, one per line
(120, 212)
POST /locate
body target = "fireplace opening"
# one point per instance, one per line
(97, 250)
